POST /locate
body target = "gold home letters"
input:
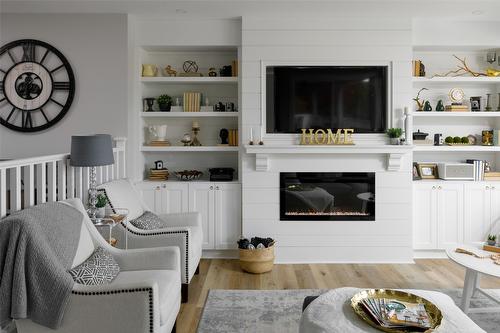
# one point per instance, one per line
(321, 137)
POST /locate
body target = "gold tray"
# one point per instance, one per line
(435, 315)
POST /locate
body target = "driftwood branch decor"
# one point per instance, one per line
(463, 69)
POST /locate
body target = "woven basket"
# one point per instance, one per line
(257, 261)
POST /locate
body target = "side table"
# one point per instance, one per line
(113, 217)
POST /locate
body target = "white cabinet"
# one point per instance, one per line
(438, 215)
(165, 198)
(482, 211)
(220, 207)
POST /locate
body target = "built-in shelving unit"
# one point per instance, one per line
(440, 60)
(212, 89)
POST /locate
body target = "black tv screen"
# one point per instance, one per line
(326, 97)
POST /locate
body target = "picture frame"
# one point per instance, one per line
(416, 174)
(428, 170)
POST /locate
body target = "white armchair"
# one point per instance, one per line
(184, 230)
(144, 297)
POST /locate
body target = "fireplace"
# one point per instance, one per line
(332, 196)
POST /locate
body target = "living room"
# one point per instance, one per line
(249, 166)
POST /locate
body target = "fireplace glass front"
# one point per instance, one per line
(334, 196)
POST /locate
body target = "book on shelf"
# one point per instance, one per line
(418, 68)
(192, 101)
(233, 137)
(234, 68)
(478, 168)
(492, 175)
(425, 142)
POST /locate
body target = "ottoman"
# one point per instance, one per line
(332, 313)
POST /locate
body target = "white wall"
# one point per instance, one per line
(96, 47)
(327, 41)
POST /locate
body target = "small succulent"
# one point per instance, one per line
(394, 133)
(164, 100)
(102, 200)
(492, 237)
(457, 139)
(448, 139)
(465, 140)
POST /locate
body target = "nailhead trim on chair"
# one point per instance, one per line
(156, 233)
(112, 292)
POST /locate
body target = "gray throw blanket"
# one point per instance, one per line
(37, 247)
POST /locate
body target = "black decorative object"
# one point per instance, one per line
(419, 135)
(212, 72)
(224, 134)
(219, 107)
(438, 139)
(230, 107)
(158, 165)
(475, 103)
(221, 174)
(440, 105)
(148, 103)
(226, 71)
(427, 106)
(254, 243)
(37, 85)
(190, 66)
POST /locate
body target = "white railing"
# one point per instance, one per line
(35, 180)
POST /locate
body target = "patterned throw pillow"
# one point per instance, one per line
(100, 268)
(148, 221)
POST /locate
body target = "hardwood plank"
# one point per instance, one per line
(226, 274)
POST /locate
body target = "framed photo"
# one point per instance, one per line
(427, 170)
(416, 174)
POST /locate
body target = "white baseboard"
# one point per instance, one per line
(220, 254)
(429, 254)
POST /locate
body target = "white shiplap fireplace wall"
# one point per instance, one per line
(335, 40)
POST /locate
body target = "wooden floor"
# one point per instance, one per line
(226, 274)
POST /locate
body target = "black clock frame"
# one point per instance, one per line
(71, 84)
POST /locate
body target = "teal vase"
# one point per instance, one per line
(440, 106)
(427, 106)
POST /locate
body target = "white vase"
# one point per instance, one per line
(394, 141)
(100, 212)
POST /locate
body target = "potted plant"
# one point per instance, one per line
(100, 205)
(492, 240)
(164, 102)
(394, 134)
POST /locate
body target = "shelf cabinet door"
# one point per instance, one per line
(227, 215)
(174, 198)
(450, 218)
(201, 199)
(495, 210)
(425, 216)
(477, 203)
(152, 196)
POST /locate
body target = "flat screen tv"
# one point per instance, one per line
(326, 97)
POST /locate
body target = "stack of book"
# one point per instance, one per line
(192, 101)
(396, 314)
(159, 143)
(478, 169)
(234, 68)
(457, 108)
(233, 137)
(418, 68)
(158, 174)
(492, 176)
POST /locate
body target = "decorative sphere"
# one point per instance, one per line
(190, 66)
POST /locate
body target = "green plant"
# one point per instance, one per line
(465, 140)
(448, 139)
(102, 200)
(457, 139)
(492, 237)
(164, 100)
(394, 133)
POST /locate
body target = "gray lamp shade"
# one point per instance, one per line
(91, 150)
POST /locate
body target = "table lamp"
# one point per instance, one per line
(92, 151)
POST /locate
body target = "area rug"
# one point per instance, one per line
(276, 311)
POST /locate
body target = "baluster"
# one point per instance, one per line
(15, 189)
(78, 182)
(61, 180)
(51, 181)
(106, 174)
(70, 176)
(29, 185)
(117, 165)
(41, 183)
(112, 171)
(3, 192)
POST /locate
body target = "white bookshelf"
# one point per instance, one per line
(190, 80)
(432, 114)
(475, 148)
(455, 80)
(189, 114)
(146, 148)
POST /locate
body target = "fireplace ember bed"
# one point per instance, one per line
(332, 196)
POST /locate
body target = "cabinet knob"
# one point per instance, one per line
(216, 187)
(158, 187)
(164, 186)
(493, 187)
(439, 187)
(487, 187)
(211, 187)
(434, 187)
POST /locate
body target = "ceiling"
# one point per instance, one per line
(463, 9)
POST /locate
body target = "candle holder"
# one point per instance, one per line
(148, 105)
(195, 142)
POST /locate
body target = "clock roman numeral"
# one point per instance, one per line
(29, 52)
(44, 56)
(56, 69)
(53, 100)
(1, 87)
(11, 57)
(44, 115)
(27, 120)
(61, 85)
(10, 114)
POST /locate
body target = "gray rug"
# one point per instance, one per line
(276, 311)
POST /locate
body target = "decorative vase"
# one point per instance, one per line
(427, 106)
(491, 242)
(394, 141)
(440, 106)
(488, 103)
(101, 212)
(165, 107)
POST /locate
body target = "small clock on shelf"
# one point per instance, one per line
(37, 85)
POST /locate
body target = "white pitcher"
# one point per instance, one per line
(158, 132)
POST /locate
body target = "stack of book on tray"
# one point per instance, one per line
(457, 108)
(478, 169)
(492, 175)
(192, 101)
(391, 313)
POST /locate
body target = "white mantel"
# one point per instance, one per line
(394, 154)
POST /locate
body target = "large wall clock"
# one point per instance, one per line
(37, 85)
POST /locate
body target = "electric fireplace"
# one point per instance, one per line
(333, 196)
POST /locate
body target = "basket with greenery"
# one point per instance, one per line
(164, 102)
(102, 200)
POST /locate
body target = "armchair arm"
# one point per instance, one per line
(148, 259)
(182, 219)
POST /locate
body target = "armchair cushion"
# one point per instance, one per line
(148, 221)
(121, 194)
(99, 268)
(169, 292)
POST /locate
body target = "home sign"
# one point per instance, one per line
(343, 136)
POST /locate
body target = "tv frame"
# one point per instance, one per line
(287, 137)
